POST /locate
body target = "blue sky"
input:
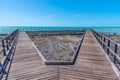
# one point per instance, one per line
(59, 12)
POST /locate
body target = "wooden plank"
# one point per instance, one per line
(91, 63)
(27, 64)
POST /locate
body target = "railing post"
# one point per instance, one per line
(116, 46)
(101, 40)
(7, 45)
(9, 41)
(104, 42)
(108, 47)
(3, 45)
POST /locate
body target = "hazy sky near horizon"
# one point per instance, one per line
(60, 12)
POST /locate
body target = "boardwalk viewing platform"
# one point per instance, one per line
(91, 63)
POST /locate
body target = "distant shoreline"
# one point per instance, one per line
(55, 28)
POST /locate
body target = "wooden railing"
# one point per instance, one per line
(8, 48)
(111, 47)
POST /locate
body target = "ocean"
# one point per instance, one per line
(9, 29)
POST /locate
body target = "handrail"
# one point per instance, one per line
(8, 48)
(113, 54)
(6, 41)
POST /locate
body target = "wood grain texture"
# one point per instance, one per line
(91, 63)
(27, 65)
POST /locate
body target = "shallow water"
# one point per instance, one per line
(8, 29)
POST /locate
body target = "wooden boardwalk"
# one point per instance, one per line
(28, 65)
(91, 63)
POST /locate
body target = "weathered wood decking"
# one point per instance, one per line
(28, 65)
(91, 63)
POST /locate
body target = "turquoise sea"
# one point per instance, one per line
(4, 29)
